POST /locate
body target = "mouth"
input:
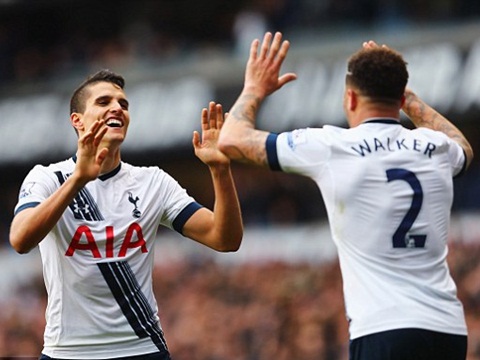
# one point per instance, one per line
(114, 123)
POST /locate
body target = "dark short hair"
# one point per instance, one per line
(380, 73)
(77, 101)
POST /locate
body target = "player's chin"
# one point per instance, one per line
(115, 136)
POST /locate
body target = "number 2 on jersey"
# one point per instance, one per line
(401, 238)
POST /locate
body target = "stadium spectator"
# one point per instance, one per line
(262, 303)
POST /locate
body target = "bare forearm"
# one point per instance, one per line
(239, 139)
(226, 212)
(422, 115)
(30, 226)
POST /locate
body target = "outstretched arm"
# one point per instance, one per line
(239, 139)
(423, 115)
(221, 229)
(30, 226)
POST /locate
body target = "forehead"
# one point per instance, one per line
(102, 89)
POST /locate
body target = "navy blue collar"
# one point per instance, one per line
(382, 121)
(106, 176)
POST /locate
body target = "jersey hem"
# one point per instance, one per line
(459, 330)
(97, 352)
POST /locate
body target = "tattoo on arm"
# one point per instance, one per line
(423, 115)
(246, 109)
(252, 149)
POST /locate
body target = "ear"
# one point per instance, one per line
(76, 121)
(352, 99)
(402, 101)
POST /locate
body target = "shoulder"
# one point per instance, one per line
(65, 167)
(145, 173)
(430, 133)
(312, 134)
(439, 138)
(140, 170)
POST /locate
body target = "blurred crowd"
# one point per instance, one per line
(52, 39)
(256, 311)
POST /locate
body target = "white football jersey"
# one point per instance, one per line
(388, 192)
(98, 259)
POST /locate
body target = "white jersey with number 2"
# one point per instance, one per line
(388, 192)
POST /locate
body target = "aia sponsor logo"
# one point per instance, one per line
(84, 240)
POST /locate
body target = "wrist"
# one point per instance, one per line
(254, 91)
(409, 94)
(220, 169)
(411, 101)
(77, 181)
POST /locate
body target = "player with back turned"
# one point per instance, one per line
(388, 192)
(95, 219)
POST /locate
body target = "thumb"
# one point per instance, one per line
(101, 156)
(196, 139)
(286, 78)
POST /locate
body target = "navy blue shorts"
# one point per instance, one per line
(154, 356)
(411, 344)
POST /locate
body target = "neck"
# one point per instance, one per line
(367, 112)
(112, 160)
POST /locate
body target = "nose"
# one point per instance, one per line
(116, 107)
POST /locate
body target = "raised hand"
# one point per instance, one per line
(89, 159)
(262, 75)
(206, 145)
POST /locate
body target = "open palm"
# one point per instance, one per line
(205, 146)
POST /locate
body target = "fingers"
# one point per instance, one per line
(273, 49)
(213, 115)
(101, 156)
(254, 49)
(219, 118)
(372, 45)
(196, 139)
(265, 45)
(96, 126)
(99, 136)
(212, 118)
(204, 120)
(282, 54)
(95, 133)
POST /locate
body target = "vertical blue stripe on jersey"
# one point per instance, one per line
(83, 206)
(132, 301)
(88, 199)
(271, 148)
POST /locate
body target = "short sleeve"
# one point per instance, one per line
(178, 205)
(458, 159)
(36, 187)
(302, 151)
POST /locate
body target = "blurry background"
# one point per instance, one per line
(280, 296)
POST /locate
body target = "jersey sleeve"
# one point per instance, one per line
(456, 155)
(302, 151)
(36, 187)
(458, 159)
(178, 205)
